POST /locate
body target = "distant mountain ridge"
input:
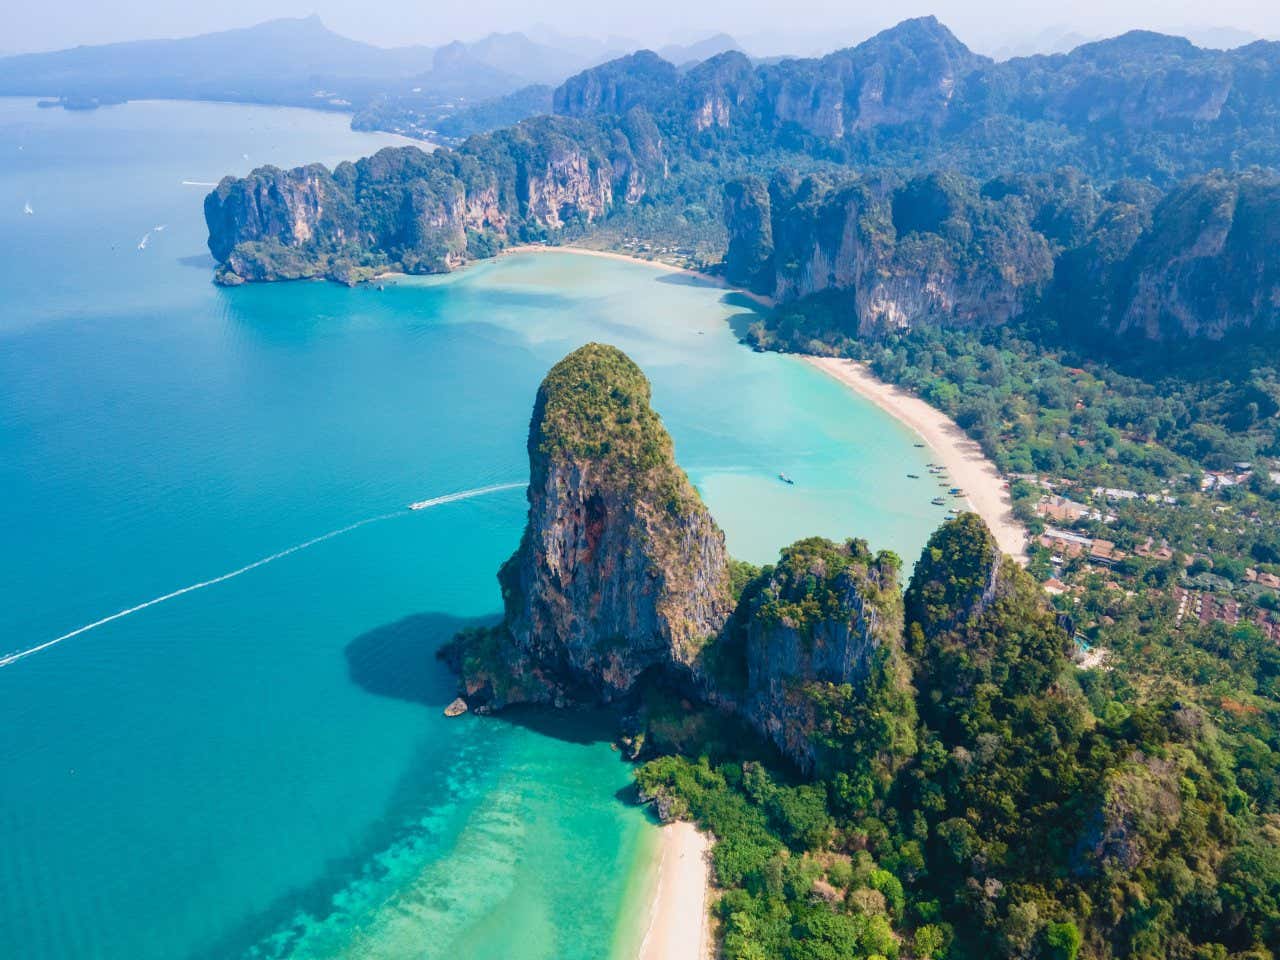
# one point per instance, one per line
(1141, 104)
(289, 61)
(441, 93)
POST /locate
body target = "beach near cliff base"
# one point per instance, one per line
(678, 925)
(985, 491)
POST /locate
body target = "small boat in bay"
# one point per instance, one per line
(913, 476)
(938, 502)
(26, 208)
(785, 479)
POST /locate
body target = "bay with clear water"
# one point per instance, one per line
(258, 766)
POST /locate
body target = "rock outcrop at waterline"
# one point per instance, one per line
(621, 569)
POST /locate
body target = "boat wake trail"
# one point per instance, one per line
(463, 495)
(420, 505)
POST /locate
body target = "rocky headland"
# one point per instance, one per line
(405, 209)
(819, 719)
(622, 579)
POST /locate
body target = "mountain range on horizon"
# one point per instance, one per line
(297, 60)
(441, 93)
(282, 58)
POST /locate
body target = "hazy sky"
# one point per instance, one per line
(764, 26)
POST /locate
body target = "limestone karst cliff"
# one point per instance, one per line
(406, 209)
(621, 569)
(1207, 268)
(898, 253)
(823, 635)
(886, 253)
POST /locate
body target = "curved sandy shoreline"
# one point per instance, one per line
(985, 490)
(679, 927)
(656, 264)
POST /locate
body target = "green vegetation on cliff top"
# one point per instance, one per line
(594, 404)
(812, 579)
(1033, 815)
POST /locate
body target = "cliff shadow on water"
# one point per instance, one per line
(398, 660)
(201, 261)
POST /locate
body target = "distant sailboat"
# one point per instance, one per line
(26, 208)
(142, 244)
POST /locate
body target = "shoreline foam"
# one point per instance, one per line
(985, 490)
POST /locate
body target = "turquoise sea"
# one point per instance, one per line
(258, 766)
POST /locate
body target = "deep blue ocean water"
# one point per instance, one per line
(259, 767)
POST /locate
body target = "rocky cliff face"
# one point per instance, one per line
(287, 207)
(908, 74)
(913, 97)
(1207, 267)
(622, 574)
(426, 213)
(886, 253)
(827, 616)
(621, 570)
(721, 93)
(748, 215)
(931, 250)
(915, 93)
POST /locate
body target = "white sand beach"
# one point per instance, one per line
(679, 926)
(985, 490)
